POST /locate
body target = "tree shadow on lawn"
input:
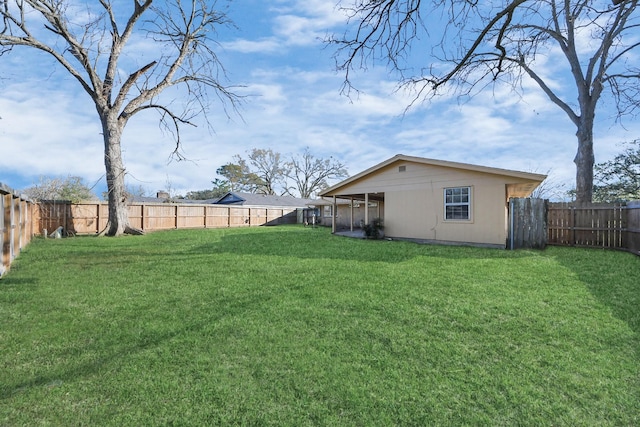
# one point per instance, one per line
(328, 246)
(23, 281)
(112, 355)
(612, 277)
(608, 275)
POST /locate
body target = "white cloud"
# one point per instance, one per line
(294, 24)
(265, 45)
(36, 129)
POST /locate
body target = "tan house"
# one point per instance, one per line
(433, 200)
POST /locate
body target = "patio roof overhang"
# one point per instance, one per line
(346, 199)
(373, 197)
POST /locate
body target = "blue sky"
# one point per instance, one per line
(48, 126)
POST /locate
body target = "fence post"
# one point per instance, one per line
(572, 224)
(511, 224)
(143, 215)
(12, 227)
(2, 232)
(633, 227)
(21, 223)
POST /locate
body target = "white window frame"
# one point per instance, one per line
(327, 211)
(459, 201)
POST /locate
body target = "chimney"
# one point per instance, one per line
(162, 195)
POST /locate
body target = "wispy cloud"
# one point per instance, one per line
(294, 24)
(262, 46)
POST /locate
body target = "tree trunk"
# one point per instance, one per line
(118, 222)
(584, 159)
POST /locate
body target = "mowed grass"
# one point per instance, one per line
(291, 326)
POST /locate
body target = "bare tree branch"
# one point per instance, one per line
(91, 44)
(310, 174)
(487, 43)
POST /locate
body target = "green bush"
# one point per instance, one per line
(374, 230)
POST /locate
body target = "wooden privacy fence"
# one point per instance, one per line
(534, 223)
(91, 218)
(595, 225)
(17, 219)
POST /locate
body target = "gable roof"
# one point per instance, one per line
(230, 199)
(426, 161)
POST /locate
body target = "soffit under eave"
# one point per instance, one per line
(521, 189)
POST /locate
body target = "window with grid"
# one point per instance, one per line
(457, 203)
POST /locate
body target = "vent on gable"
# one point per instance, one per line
(402, 168)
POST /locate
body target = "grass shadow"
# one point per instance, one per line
(611, 277)
(18, 281)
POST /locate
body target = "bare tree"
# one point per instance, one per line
(474, 44)
(268, 166)
(550, 189)
(619, 179)
(267, 172)
(310, 174)
(72, 188)
(94, 44)
(238, 177)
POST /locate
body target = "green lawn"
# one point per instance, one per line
(293, 326)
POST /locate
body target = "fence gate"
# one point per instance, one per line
(527, 223)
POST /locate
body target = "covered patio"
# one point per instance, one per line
(349, 212)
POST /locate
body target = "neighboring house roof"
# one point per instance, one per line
(534, 178)
(233, 198)
(145, 199)
(199, 202)
(230, 199)
(251, 199)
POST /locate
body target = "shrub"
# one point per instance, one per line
(374, 230)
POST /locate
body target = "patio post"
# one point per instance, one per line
(333, 215)
(366, 208)
(351, 215)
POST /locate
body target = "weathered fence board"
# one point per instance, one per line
(612, 226)
(91, 218)
(527, 223)
(633, 227)
(586, 225)
(615, 226)
(218, 216)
